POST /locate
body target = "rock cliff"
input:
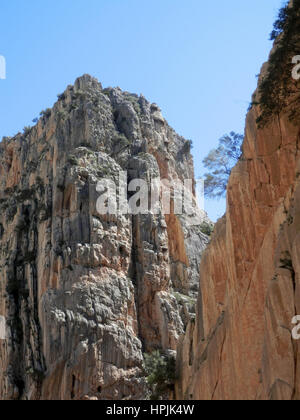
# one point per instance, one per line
(241, 345)
(83, 295)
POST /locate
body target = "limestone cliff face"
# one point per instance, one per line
(83, 295)
(241, 345)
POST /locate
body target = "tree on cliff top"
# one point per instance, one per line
(277, 86)
(220, 162)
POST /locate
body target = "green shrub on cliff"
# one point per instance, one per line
(160, 370)
(27, 130)
(46, 113)
(207, 228)
(187, 147)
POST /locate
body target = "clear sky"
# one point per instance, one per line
(197, 59)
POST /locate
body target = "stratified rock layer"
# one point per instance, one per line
(83, 294)
(241, 345)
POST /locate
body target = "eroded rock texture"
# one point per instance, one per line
(241, 345)
(84, 295)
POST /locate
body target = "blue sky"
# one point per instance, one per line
(197, 59)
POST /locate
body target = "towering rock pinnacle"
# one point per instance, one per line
(241, 346)
(84, 295)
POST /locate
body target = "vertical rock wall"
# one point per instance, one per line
(241, 346)
(83, 294)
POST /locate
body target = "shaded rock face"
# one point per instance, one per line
(83, 295)
(241, 345)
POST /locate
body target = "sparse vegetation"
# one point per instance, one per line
(80, 94)
(61, 96)
(187, 147)
(26, 130)
(120, 139)
(207, 228)
(46, 113)
(135, 102)
(120, 144)
(73, 160)
(61, 115)
(160, 370)
(184, 299)
(106, 92)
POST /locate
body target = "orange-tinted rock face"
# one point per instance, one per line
(241, 346)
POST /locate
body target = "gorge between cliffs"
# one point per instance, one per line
(86, 298)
